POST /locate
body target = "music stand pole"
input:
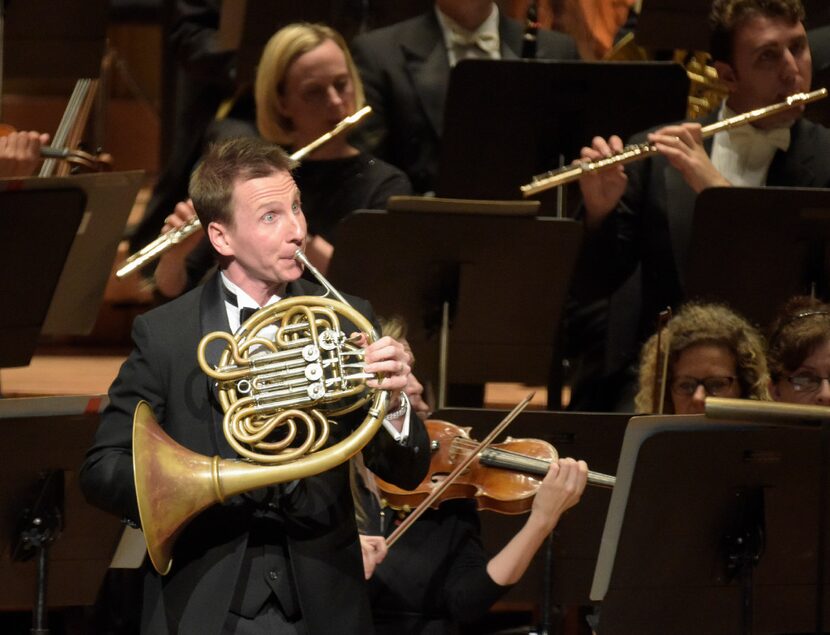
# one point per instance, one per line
(40, 525)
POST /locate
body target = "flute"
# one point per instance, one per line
(165, 241)
(630, 153)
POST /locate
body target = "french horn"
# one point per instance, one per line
(282, 378)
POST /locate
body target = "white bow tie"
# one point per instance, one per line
(747, 135)
(487, 42)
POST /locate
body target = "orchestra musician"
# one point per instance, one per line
(712, 351)
(798, 352)
(438, 574)
(406, 70)
(20, 153)
(640, 214)
(306, 84)
(282, 559)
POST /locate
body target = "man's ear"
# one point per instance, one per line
(727, 75)
(218, 235)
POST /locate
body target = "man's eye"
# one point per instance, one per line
(269, 217)
(296, 207)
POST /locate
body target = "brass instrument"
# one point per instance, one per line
(165, 241)
(279, 394)
(636, 152)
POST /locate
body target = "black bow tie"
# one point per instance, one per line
(245, 312)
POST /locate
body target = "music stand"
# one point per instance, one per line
(712, 528)
(32, 256)
(494, 141)
(49, 436)
(109, 200)
(770, 245)
(595, 438)
(502, 279)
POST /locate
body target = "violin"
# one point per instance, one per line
(503, 478)
(78, 160)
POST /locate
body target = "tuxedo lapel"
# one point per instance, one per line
(214, 317)
(796, 167)
(510, 38)
(427, 67)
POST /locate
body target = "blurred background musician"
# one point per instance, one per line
(281, 559)
(204, 79)
(798, 352)
(712, 351)
(20, 152)
(306, 83)
(641, 214)
(405, 69)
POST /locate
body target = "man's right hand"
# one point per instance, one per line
(601, 191)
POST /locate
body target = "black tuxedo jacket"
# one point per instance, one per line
(406, 73)
(651, 228)
(317, 515)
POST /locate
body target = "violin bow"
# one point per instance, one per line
(661, 362)
(463, 465)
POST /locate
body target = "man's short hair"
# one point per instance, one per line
(727, 15)
(212, 182)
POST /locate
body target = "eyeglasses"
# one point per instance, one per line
(806, 382)
(713, 386)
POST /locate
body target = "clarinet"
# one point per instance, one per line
(531, 29)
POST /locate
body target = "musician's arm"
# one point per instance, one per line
(106, 476)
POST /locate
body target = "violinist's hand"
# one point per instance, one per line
(388, 357)
(601, 191)
(560, 490)
(682, 145)
(20, 153)
(170, 275)
(374, 550)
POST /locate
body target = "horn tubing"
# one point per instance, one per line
(174, 484)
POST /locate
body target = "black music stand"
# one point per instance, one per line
(40, 228)
(771, 244)
(502, 279)
(712, 528)
(563, 576)
(43, 443)
(110, 198)
(542, 113)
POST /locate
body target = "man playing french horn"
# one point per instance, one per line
(278, 559)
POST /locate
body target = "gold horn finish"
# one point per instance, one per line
(271, 389)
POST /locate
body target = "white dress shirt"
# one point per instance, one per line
(743, 154)
(483, 43)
